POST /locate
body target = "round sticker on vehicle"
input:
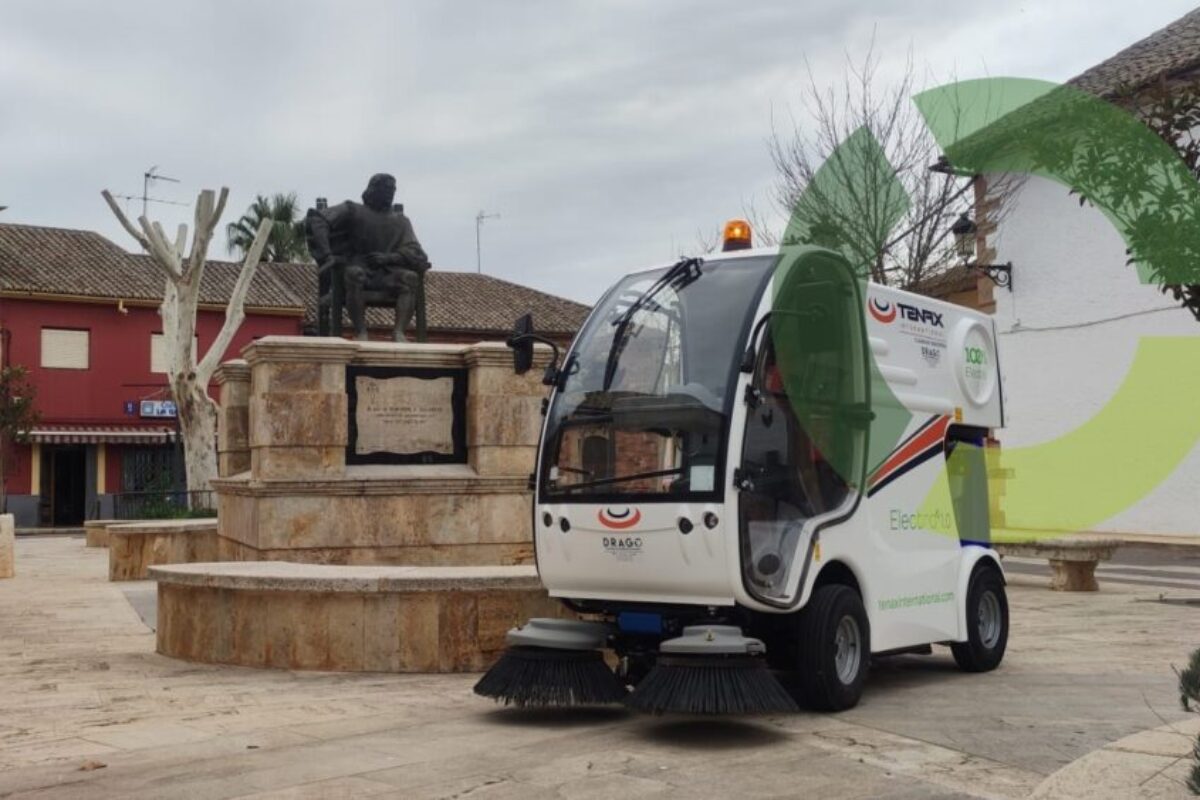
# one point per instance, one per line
(975, 361)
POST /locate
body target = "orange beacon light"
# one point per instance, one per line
(737, 235)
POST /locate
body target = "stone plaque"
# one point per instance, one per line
(406, 415)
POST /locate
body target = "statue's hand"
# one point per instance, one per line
(381, 260)
(329, 263)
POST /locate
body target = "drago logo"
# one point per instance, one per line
(619, 521)
(881, 310)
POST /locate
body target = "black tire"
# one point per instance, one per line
(985, 645)
(821, 686)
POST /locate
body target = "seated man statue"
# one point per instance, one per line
(376, 251)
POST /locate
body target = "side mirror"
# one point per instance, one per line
(521, 343)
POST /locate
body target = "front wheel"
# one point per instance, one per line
(987, 623)
(834, 648)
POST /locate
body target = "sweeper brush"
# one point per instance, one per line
(711, 669)
(718, 685)
(539, 676)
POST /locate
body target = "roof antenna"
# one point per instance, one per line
(148, 176)
(479, 218)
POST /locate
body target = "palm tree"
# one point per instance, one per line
(287, 236)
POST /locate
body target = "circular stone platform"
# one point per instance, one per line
(343, 618)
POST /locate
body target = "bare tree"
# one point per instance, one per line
(188, 377)
(858, 178)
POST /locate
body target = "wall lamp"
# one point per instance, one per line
(965, 233)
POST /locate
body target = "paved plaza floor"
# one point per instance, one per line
(1084, 706)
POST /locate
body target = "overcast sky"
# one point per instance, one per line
(605, 134)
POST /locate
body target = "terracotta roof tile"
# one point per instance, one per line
(1165, 53)
(82, 263)
(459, 301)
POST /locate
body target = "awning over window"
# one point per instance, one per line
(94, 434)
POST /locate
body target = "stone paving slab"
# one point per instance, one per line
(88, 710)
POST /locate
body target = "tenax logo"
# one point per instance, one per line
(921, 315)
(881, 310)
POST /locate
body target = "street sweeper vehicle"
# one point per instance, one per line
(756, 474)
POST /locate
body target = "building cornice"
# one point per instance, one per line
(132, 302)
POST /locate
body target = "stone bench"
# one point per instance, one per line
(96, 530)
(289, 615)
(133, 547)
(8, 538)
(1073, 560)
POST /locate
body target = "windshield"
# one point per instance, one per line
(644, 408)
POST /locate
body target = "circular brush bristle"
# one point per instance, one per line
(537, 676)
(711, 685)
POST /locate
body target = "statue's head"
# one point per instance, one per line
(380, 192)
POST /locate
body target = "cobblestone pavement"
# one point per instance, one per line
(88, 710)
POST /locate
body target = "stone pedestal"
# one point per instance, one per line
(133, 547)
(1073, 576)
(345, 452)
(8, 532)
(233, 426)
(352, 619)
(96, 531)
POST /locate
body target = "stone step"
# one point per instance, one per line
(304, 616)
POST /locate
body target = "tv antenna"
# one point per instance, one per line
(148, 176)
(479, 218)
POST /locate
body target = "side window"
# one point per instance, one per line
(966, 467)
(806, 432)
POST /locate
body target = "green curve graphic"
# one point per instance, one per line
(1116, 457)
(1138, 439)
(1018, 126)
(815, 303)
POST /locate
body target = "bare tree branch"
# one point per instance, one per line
(876, 199)
(235, 312)
(188, 381)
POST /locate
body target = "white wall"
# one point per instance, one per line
(1069, 270)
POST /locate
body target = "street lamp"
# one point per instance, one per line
(965, 233)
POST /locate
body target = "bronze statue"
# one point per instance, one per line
(367, 255)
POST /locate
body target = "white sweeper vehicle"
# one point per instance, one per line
(757, 473)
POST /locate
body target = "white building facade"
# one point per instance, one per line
(1068, 333)
(1070, 327)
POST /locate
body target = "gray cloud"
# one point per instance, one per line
(605, 133)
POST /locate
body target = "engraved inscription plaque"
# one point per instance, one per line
(406, 415)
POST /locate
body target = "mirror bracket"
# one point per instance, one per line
(522, 341)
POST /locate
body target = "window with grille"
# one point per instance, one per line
(150, 469)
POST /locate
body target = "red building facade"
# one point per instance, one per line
(81, 315)
(95, 437)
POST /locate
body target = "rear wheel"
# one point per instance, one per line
(834, 649)
(987, 623)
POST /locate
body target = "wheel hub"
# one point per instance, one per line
(847, 649)
(989, 621)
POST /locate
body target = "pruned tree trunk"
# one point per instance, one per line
(187, 377)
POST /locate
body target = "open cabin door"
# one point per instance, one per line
(805, 444)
